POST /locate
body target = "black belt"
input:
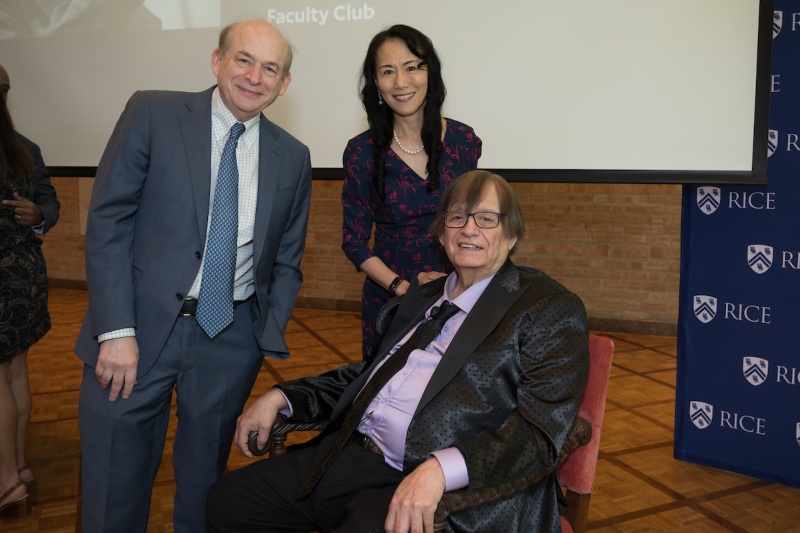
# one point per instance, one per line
(189, 307)
(368, 444)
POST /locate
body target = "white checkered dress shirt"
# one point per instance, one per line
(247, 160)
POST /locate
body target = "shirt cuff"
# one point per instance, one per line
(117, 334)
(38, 229)
(454, 467)
(287, 412)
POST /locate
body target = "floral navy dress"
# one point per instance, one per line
(402, 239)
(24, 318)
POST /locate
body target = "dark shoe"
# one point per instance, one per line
(19, 508)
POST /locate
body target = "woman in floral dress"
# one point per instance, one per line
(28, 206)
(396, 171)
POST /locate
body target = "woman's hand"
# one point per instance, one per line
(423, 277)
(26, 213)
(402, 288)
(427, 277)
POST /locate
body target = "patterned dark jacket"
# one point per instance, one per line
(505, 393)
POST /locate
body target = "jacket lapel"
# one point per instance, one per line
(196, 136)
(488, 312)
(412, 310)
(269, 171)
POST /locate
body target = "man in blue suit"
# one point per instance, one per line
(146, 249)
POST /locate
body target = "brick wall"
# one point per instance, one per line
(615, 245)
(64, 245)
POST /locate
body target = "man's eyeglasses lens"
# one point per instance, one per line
(484, 220)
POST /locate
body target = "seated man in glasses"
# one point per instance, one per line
(489, 399)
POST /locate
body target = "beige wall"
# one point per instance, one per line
(615, 245)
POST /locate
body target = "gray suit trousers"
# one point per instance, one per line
(123, 441)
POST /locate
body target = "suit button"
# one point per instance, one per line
(179, 296)
(198, 255)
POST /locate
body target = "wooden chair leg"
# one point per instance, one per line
(577, 510)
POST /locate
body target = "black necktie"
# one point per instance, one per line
(422, 337)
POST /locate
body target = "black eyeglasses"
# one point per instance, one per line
(483, 219)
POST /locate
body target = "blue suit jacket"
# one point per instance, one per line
(147, 223)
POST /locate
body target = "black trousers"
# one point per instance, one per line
(351, 497)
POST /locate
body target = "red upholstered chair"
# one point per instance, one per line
(576, 474)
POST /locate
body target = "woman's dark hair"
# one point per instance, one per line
(467, 190)
(16, 162)
(380, 117)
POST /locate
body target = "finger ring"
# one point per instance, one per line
(19, 217)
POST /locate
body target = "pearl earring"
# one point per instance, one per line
(380, 100)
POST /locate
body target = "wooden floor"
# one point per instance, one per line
(639, 487)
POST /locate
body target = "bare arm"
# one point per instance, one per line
(382, 275)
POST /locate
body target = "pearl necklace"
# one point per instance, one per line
(403, 148)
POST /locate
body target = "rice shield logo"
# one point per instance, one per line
(755, 370)
(759, 257)
(705, 308)
(772, 142)
(708, 199)
(701, 414)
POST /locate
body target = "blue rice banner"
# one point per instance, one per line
(738, 388)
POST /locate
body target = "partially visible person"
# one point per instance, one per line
(194, 239)
(483, 397)
(29, 208)
(395, 172)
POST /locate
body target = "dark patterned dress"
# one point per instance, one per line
(402, 239)
(24, 318)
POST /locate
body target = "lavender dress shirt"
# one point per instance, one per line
(388, 416)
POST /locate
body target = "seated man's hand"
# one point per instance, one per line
(258, 417)
(415, 500)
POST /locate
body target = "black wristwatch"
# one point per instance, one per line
(394, 284)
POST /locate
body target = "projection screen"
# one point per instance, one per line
(575, 90)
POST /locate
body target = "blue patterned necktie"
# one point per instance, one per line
(215, 302)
